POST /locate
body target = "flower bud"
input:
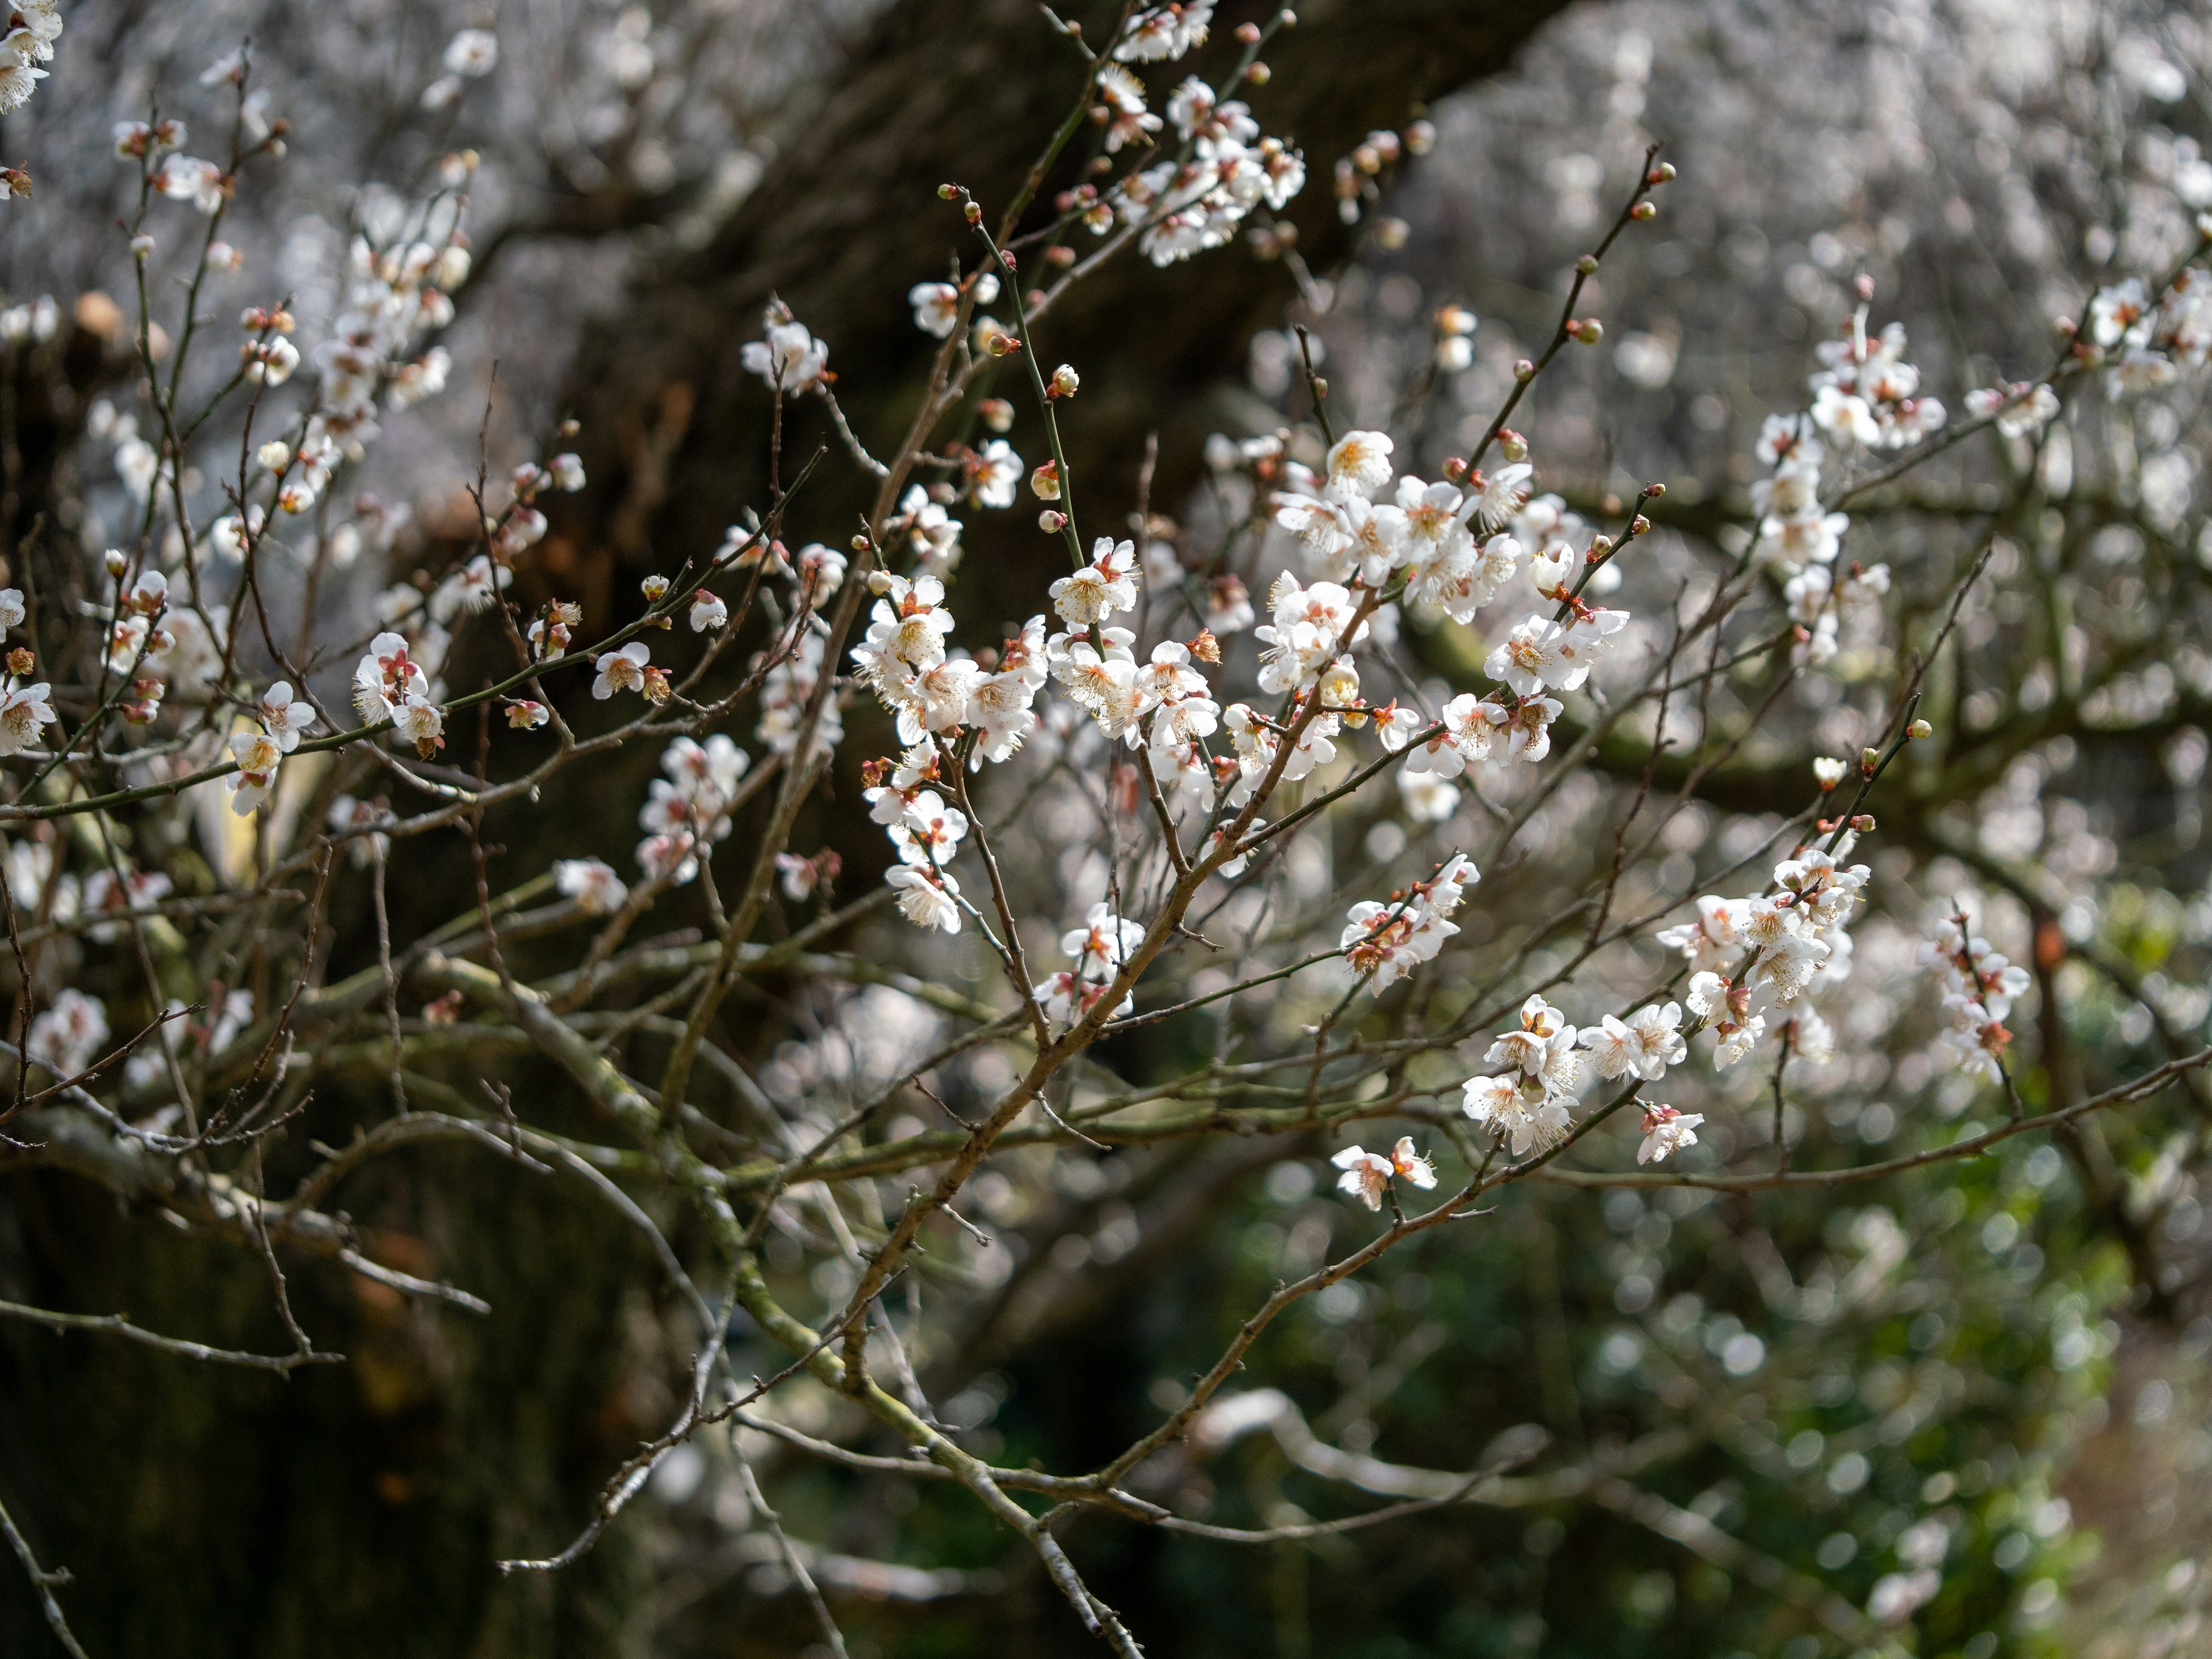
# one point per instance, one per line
(1002, 344)
(1869, 759)
(1063, 383)
(973, 214)
(1588, 330)
(275, 455)
(948, 192)
(1645, 210)
(653, 587)
(1662, 174)
(1524, 370)
(1919, 729)
(1249, 33)
(1259, 74)
(1639, 525)
(998, 414)
(1044, 483)
(118, 561)
(1863, 823)
(1512, 445)
(1052, 523)
(1587, 264)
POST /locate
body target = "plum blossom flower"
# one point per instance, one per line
(385, 677)
(1644, 1045)
(1716, 939)
(597, 889)
(1367, 1176)
(257, 755)
(1542, 1050)
(936, 307)
(1164, 32)
(1358, 464)
(286, 716)
(709, 613)
(67, 1036)
(621, 671)
(789, 358)
(23, 710)
(472, 53)
(1107, 585)
(422, 723)
(1519, 1110)
(1311, 627)
(925, 895)
(1387, 942)
(1665, 1131)
(1499, 497)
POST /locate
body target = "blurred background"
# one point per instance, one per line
(1962, 1410)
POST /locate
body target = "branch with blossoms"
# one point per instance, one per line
(1412, 861)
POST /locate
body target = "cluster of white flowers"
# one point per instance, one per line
(390, 685)
(1098, 949)
(469, 56)
(393, 295)
(785, 693)
(1532, 1102)
(925, 833)
(68, 1035)
(1453, 549)
(1979, 988)
(1164, 32)
(1749, 957)
(25, 703)
(1428, 532)
(1666, 1130)
(1867, 395)
(1367, 1175)
(787, 357)
(937, 305)
(1195, 202)
(690, 809)
(1385, 942)
(1799, 537)
(2142, 343)
(33, 25)
(904, 660)
(284, 719)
